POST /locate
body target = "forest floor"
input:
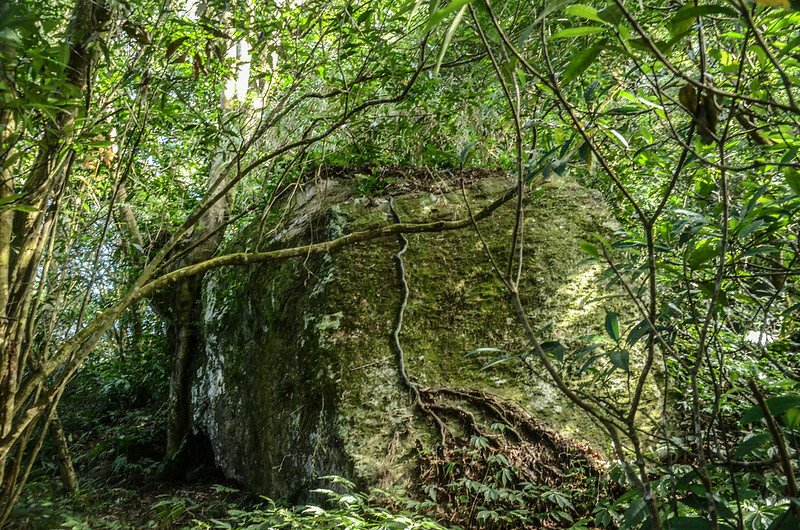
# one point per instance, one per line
(116, 433)
(156, 504)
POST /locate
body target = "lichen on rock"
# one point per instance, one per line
(299, 380)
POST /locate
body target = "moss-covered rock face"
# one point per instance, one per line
(299, 379)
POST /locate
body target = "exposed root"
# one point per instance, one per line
(495, 466)
(421, 405)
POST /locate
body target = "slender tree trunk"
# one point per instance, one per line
(185, 313)
(185, 344)
(183, 309)
(65, 467)
(24, 239)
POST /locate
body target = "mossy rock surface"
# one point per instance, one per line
(299, 379)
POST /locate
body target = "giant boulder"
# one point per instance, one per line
(299, 378)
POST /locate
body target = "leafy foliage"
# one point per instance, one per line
(119, 126)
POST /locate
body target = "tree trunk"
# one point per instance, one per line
(24, 238)
(65, 467)
(185, 343)
(185, 306)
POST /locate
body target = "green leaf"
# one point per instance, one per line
(619, 137)
(10, 198)
(588, 348)
(604, 242)
(215, 31)
(640, 330)
(792, 417)
(579, 62)
(792, 178)
(549, 8)
(683, 19)
(776, 405)
(688, 523)
(577, 32)
(612, 325)
(722, 507)
(704, 251)
(552, 6)
(792, 44)
(589, 249)
(364, 17)
(583, 11)
(438, 15)
(451, 30)
(635, 514)
(554, 348)
(466, 152)
(520, 73)
(690, 12)
(620, 359)
(751, 445)
(611, 14)
(483, 350)
(642, 45)
(785, 4)
(174, 45)
(787, 521)
(498, 360)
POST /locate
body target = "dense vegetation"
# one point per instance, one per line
(136, 137)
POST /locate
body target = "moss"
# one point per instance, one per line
(301, 348)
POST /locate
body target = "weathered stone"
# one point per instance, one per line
(299, 379)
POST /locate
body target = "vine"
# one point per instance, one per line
(495, 466)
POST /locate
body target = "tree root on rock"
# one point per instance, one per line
(494, 466)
